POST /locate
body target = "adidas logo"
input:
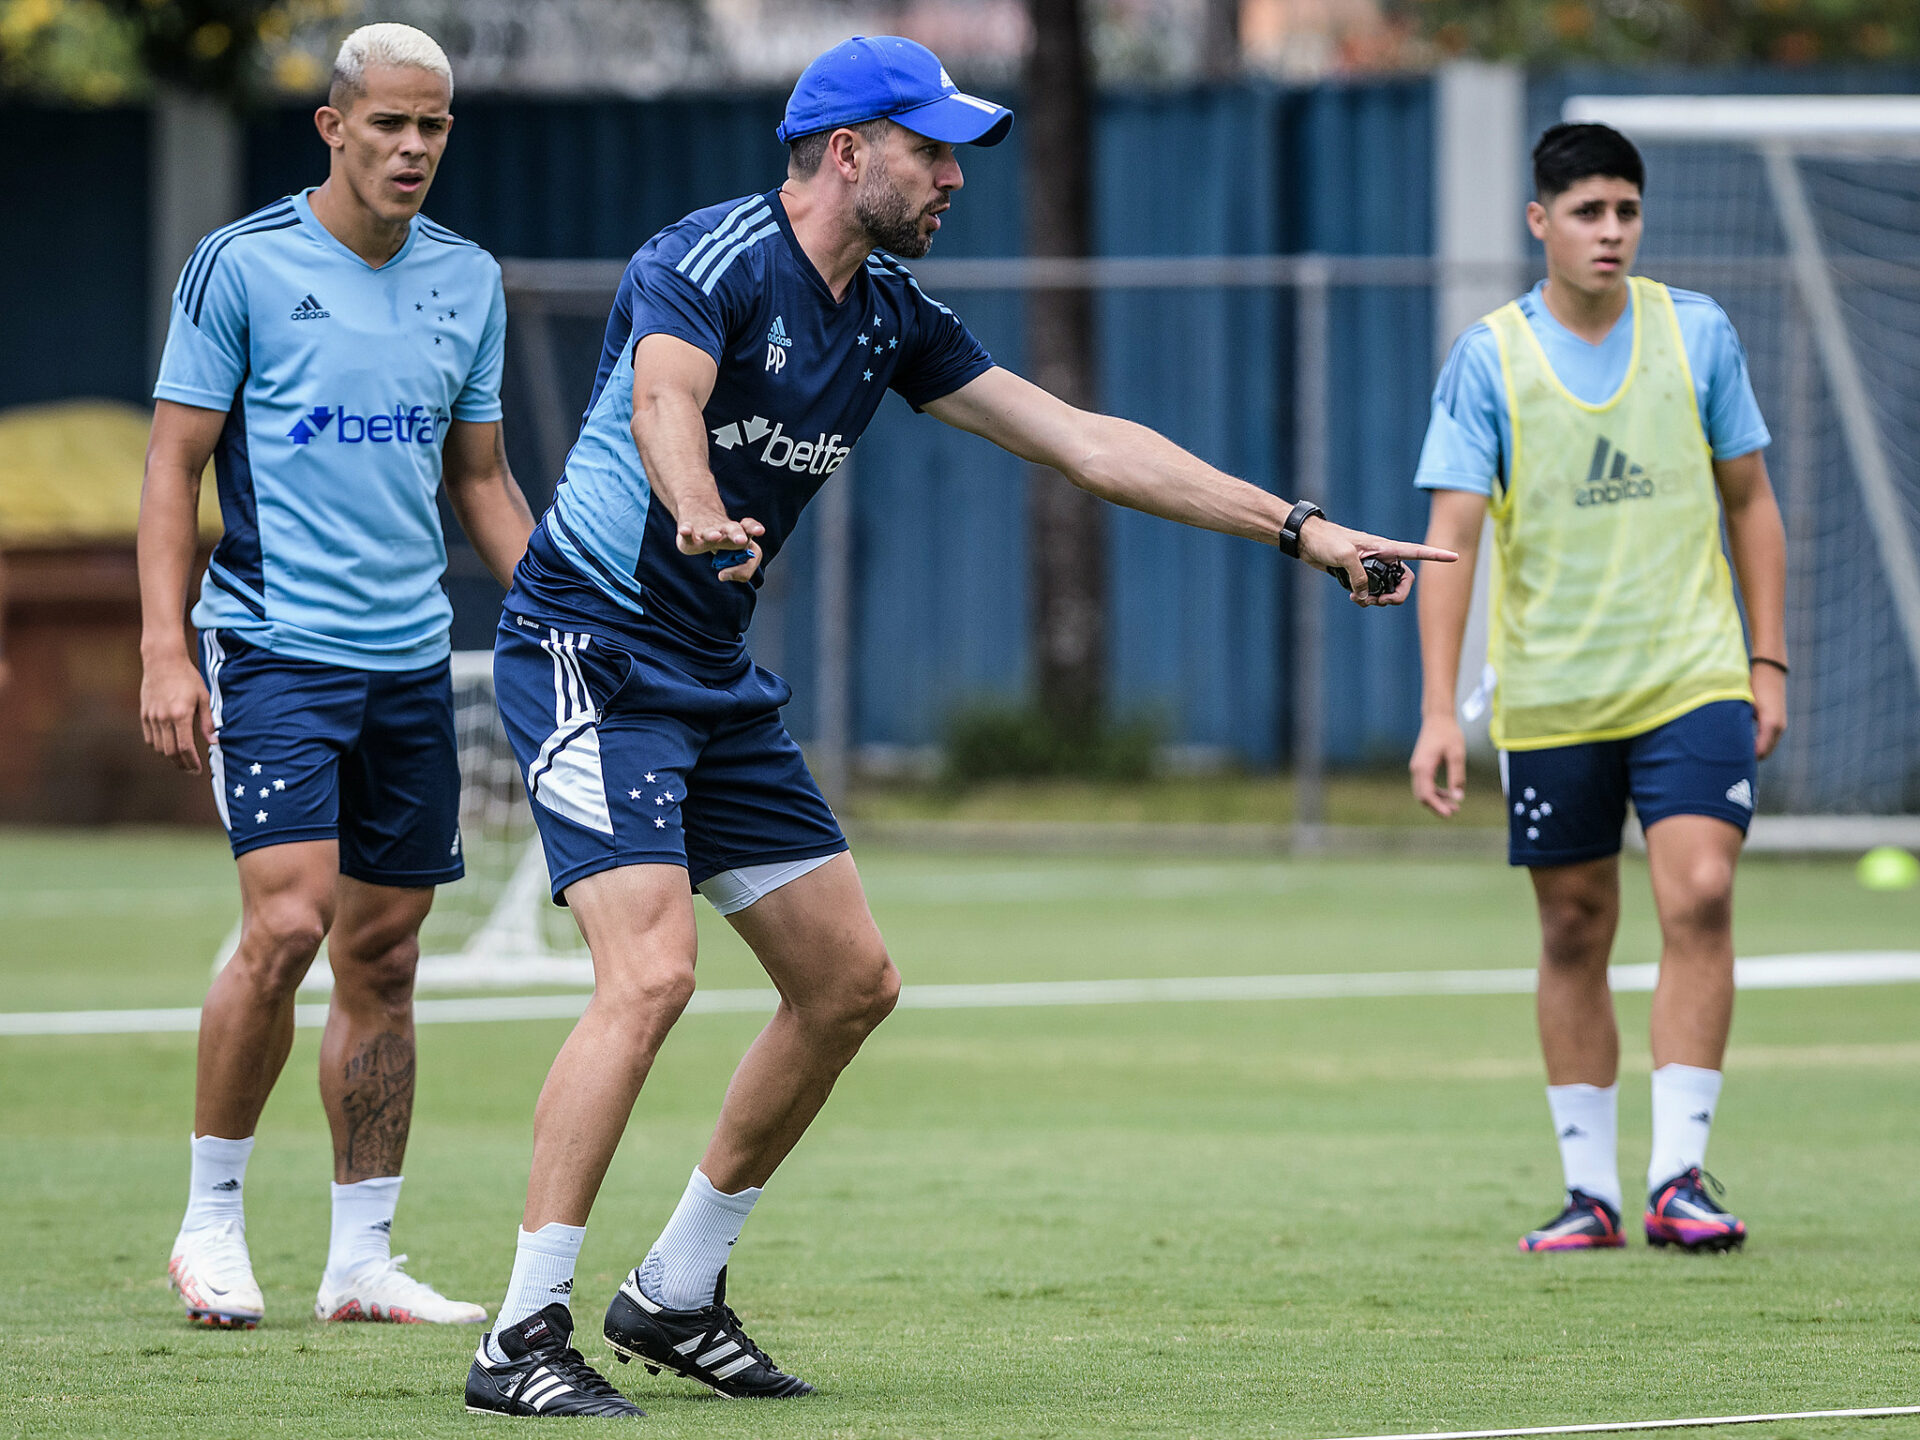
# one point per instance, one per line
(310, 309)
(1572, 1132)
(228, 1186)
(1610, 484)
(385, 1227)
(778, 343)
(1701, 1117)
(565, 1287)
(1741, 793)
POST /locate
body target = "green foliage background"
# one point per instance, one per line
(105, 52)
(1711, 32)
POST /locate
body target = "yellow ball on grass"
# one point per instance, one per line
(1888, 867)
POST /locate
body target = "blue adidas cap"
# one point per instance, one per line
(889, 77)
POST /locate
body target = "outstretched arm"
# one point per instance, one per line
(485, 498)
(1130, 465)
(672, 381)
(1758, 543)
(174, 708)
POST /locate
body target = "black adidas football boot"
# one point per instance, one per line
(543, 1374)
(706, 1345)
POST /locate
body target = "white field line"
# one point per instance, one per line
(1602, 1427)
(1774, 972)
(1771, 972)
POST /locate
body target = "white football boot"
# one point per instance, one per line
(214, 1275)
(382, 1291)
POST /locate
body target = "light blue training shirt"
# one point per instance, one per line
(1469, 439)
(338, 381)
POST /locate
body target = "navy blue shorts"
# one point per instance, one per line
(306, 751)
(637, 753)
(1569, 803)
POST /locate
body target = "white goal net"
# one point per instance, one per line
(1801, 215)
(498, 925)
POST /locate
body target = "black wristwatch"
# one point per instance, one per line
(1290, 532)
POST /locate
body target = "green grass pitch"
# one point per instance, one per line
(1290, 1219)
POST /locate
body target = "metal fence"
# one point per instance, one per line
(1340, 335)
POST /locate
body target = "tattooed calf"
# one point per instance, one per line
(377, 1103)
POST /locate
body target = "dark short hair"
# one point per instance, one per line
(1568, 154)
(805, 152)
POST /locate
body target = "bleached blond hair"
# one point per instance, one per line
(383, 44)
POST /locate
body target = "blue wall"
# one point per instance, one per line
(1196, 620)
(73, 254)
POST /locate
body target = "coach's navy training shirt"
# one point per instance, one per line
(800, 376)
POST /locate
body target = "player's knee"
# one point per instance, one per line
(381, 977)
(867, 994)
(1703, 903)
(1577, 928)
(650, 1000)
(279, 941)
(883, 992)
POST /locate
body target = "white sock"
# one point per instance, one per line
(1587, 1120)
(1684, 1097)
(543, 1264)
(219, 1175)
(683, 1267)
(362, 1225)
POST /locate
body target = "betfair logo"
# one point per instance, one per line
(819, 456)
(407, 425)
(1610, 484)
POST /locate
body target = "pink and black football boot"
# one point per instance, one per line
(1588, 1223)
(1679, 1212)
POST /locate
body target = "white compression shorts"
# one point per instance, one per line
(734, 890)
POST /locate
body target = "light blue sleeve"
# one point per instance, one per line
(1466, 444)
(206, 354)
(479, 398)
(1728, 411)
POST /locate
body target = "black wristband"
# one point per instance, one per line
(1304, 511)
(1779, 665)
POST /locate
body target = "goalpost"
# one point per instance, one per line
(1801, 215)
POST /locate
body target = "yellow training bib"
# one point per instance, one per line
(1613, 607)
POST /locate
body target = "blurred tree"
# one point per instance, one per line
(1785, 32)
(1066, 527)
(105, 51)
(68, 50)
(228, 50)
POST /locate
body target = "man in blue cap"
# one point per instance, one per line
(748, 348)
